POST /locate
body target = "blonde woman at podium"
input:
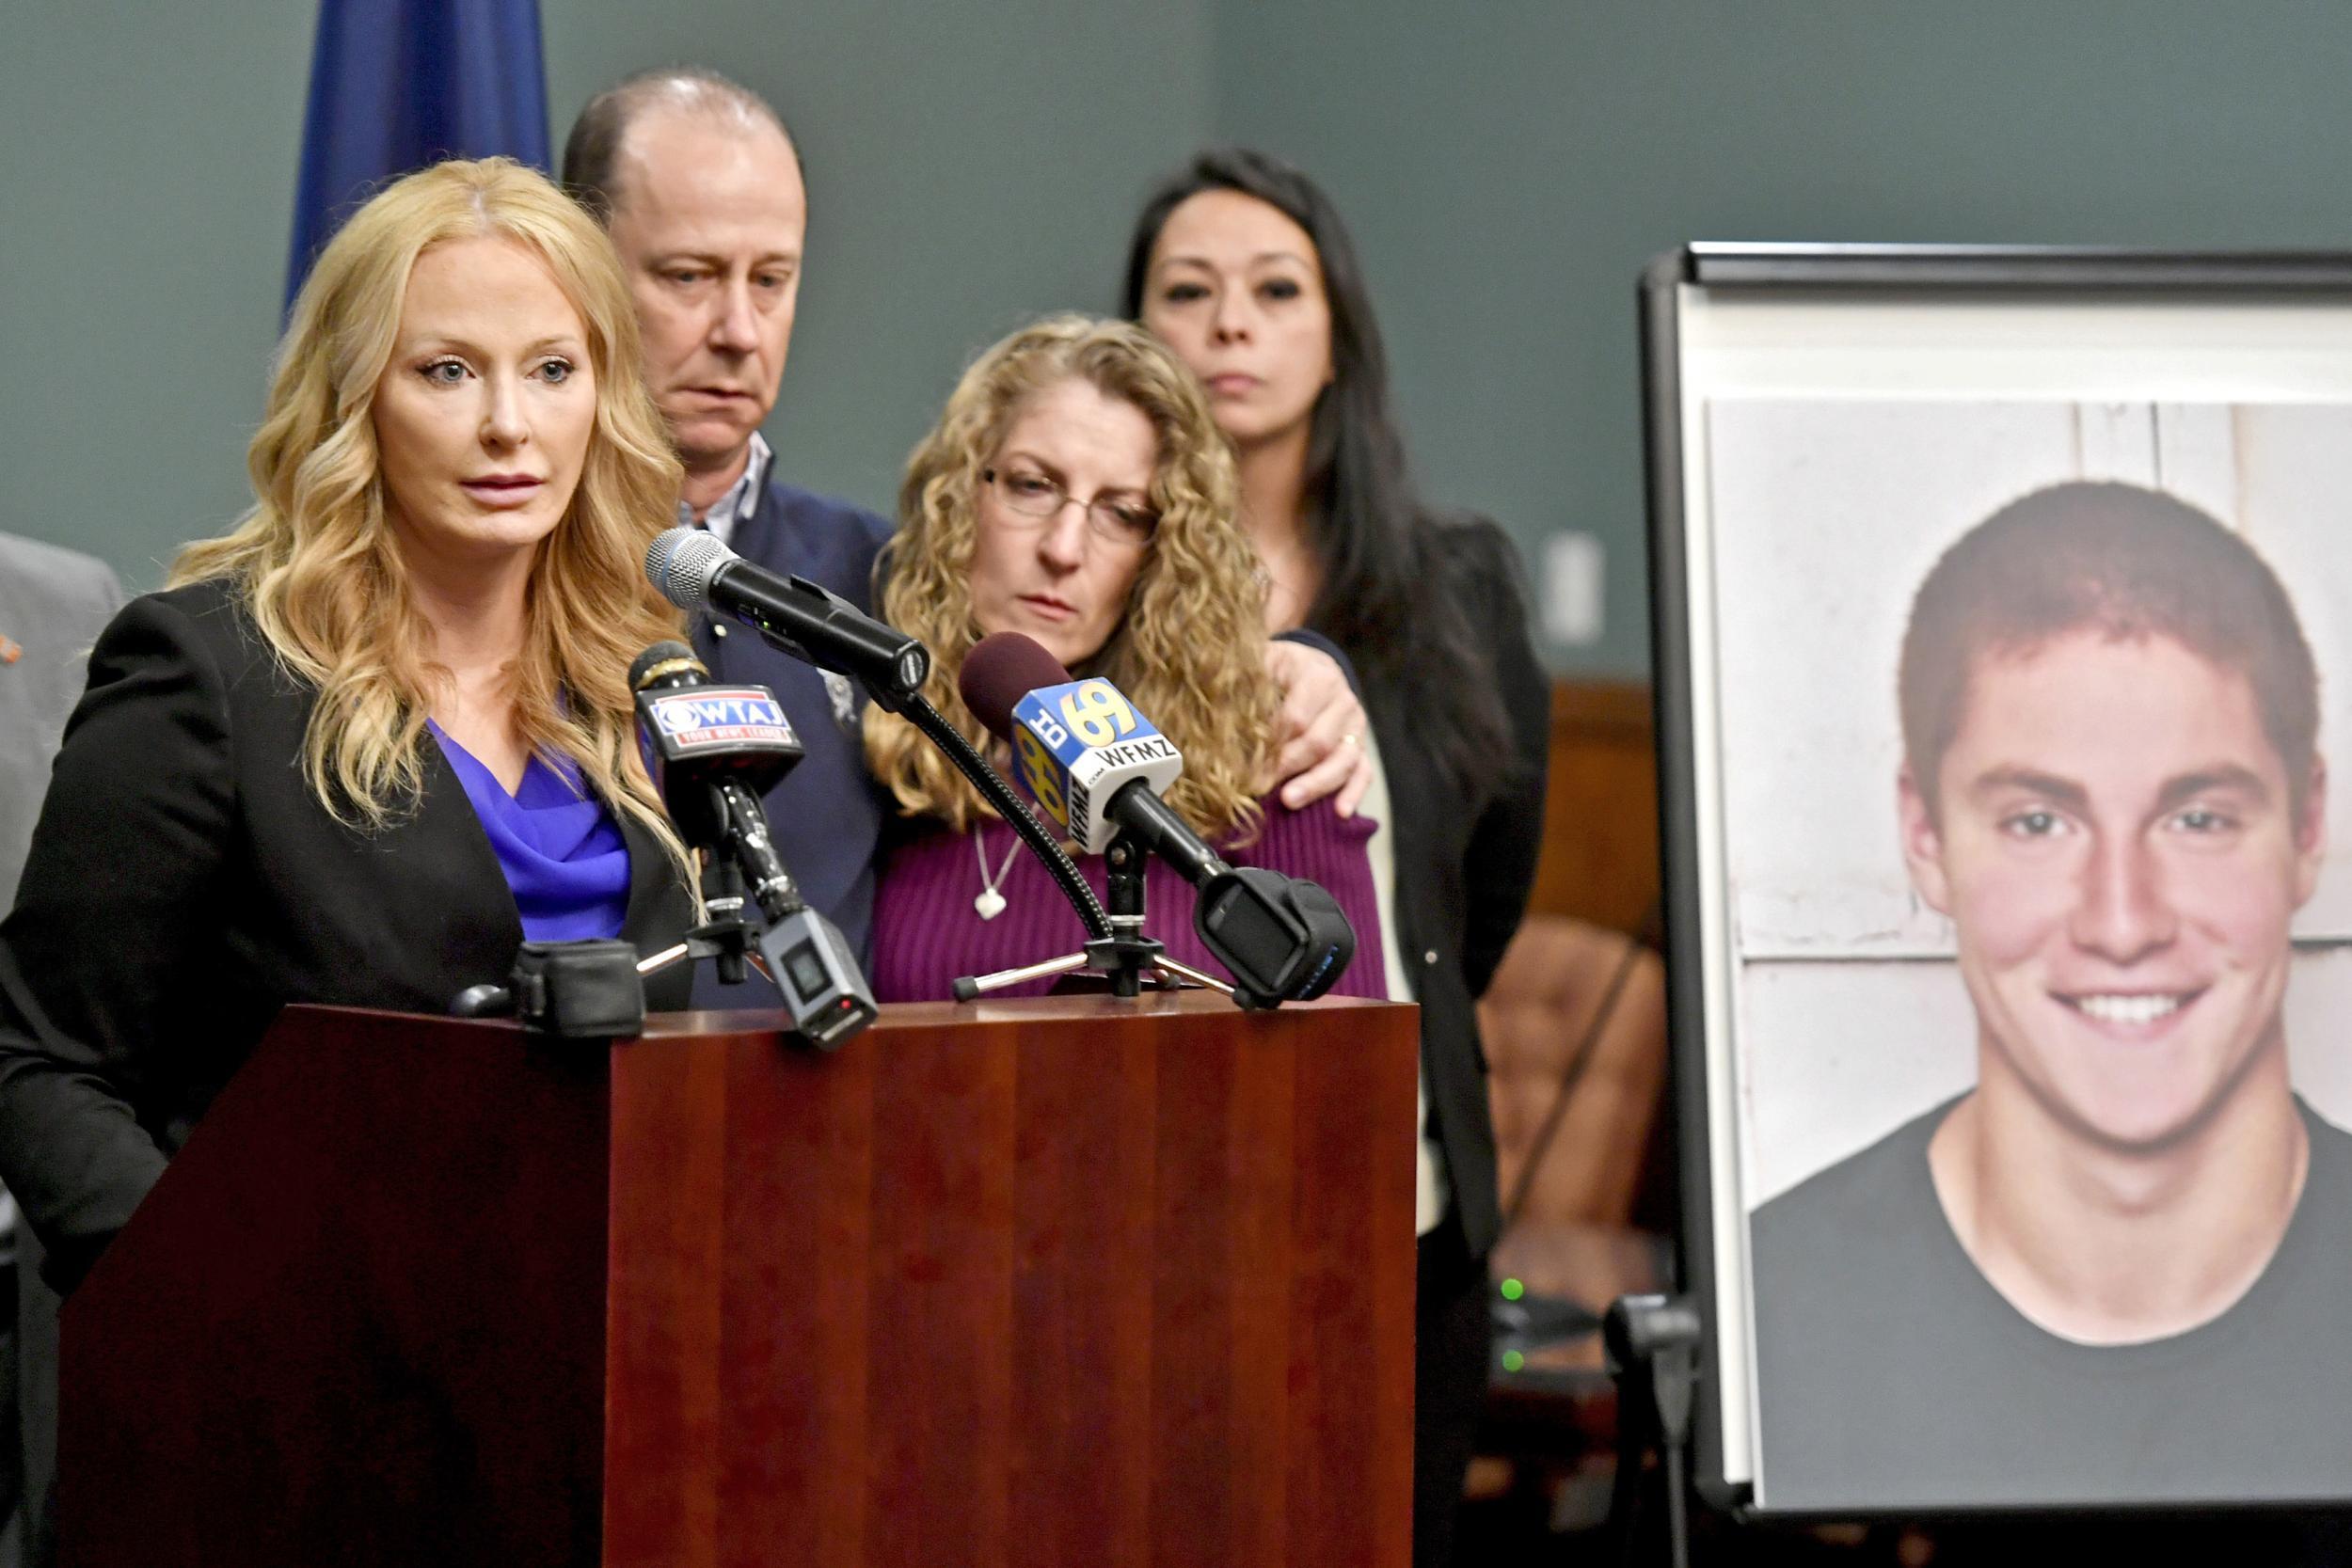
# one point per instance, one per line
(1077, 490)
(378, 735)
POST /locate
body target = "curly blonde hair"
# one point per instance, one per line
(317, 564)
(1190, 650)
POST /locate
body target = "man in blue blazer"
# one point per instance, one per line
(699, 185)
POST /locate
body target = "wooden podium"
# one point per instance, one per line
(1072, 1281)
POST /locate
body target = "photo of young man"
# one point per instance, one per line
(2119, 1267)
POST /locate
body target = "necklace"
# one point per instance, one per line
(988, 903)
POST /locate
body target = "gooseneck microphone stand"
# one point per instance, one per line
(991, 784)
(1116, 946)
(1122, 954)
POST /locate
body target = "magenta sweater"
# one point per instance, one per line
(926, 933)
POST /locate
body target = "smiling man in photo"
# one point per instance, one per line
(2121, 1266)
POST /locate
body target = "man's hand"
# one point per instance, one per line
(1323, 729)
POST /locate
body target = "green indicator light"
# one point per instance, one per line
(1513, 1289)
(1512, 1361)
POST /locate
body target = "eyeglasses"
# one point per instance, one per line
(1114, 522)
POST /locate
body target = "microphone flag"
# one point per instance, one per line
(396, 85)
(1077, 745)
(699, 721)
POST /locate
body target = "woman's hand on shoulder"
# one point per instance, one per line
(1323, 727)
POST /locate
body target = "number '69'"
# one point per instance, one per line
(1098, 713)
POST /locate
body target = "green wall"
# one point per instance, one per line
(1507, 165)
(969, 167)
(145, 204)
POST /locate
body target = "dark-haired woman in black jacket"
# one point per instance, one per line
(1241, 264)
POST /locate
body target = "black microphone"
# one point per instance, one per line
(1099, 765)
(715, 749)
(694, 570)
(704, 734)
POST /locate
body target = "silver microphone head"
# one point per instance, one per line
(681, 562)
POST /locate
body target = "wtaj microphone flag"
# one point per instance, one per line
(1078, 745)
(693, 720)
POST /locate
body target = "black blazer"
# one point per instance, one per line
(1463, 876)
(184, 883)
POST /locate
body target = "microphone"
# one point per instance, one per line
(715, 749)
(1075, 744)
(695, 571)
(702, 735)
(1097, 766)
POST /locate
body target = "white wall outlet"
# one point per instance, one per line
(1575, 573)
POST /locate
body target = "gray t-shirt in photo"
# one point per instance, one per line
(1890, 1375)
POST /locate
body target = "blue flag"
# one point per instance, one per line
(396, 85)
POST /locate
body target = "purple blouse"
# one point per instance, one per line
(563, 853)
(926, 931)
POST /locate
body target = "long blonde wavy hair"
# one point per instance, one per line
(322, 575)
(1190, 650)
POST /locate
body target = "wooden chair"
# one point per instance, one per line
(1555, 981)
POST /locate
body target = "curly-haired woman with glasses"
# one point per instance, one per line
(1077, 490)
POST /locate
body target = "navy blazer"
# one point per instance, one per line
(827, 815)
(186, 883)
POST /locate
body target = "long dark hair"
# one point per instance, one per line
(1390, 592)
